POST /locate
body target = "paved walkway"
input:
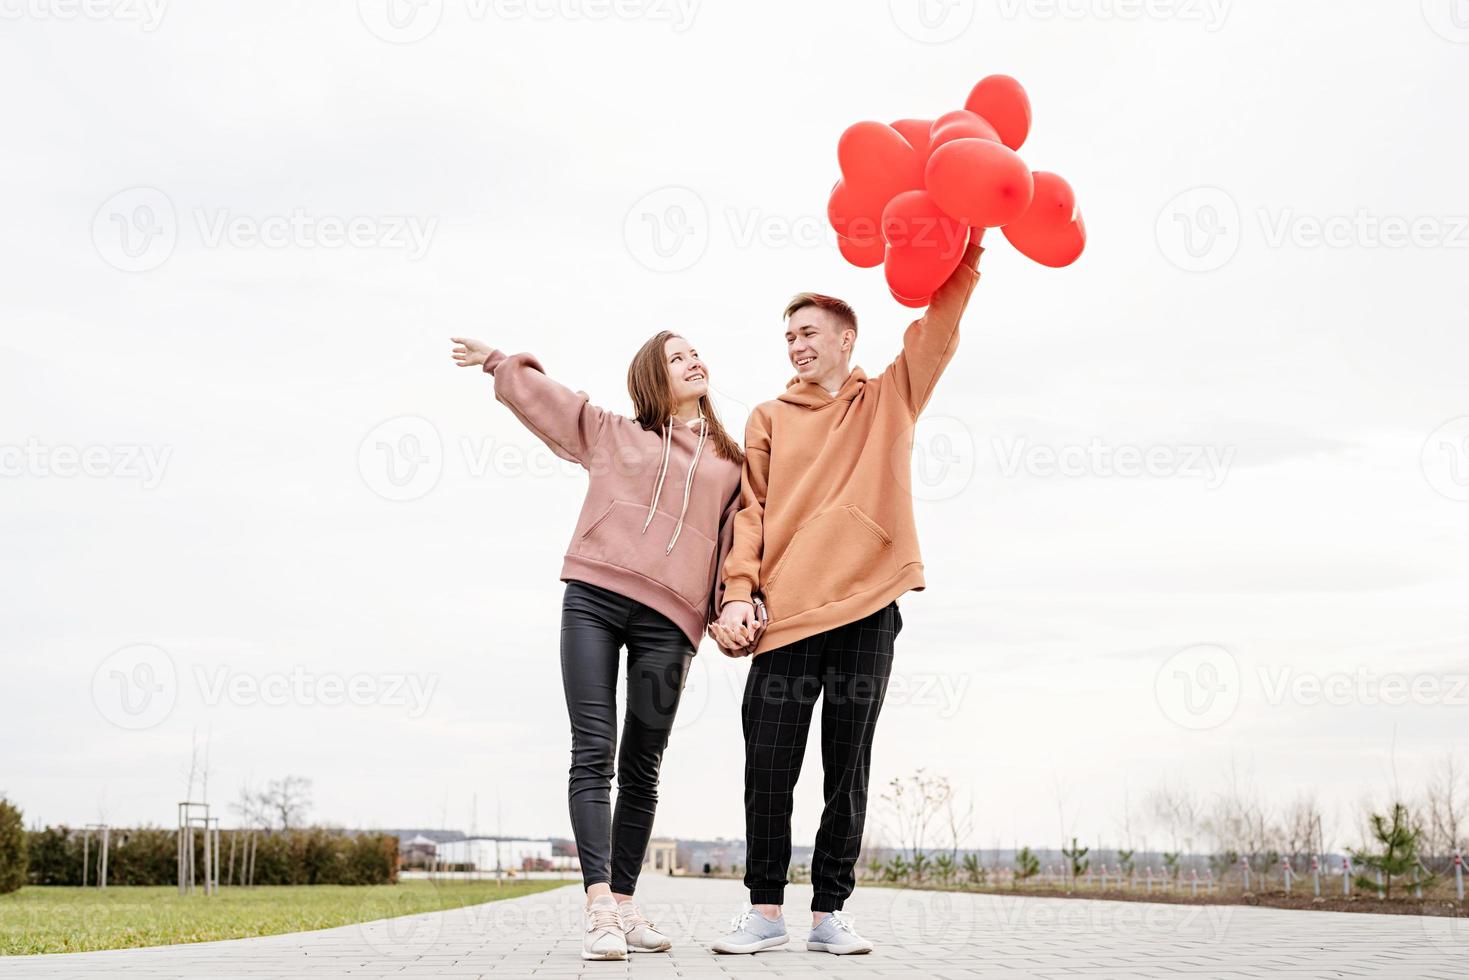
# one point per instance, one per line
(920, 934)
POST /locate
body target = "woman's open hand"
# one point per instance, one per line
(469, 352)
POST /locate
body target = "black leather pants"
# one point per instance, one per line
(595, 624)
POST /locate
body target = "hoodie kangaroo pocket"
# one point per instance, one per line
(838, 553)
(617, 538)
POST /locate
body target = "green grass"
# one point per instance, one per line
(70, 920)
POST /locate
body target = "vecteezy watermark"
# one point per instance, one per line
(667, 230)
(1449, 19)
(1363, 686)
(1445, 459)
(1201, 229)
(932, 21)
(1199, 923)
(940, 460)
(940, 694)
(135, 687)
(147, 14)
(1198, 687)
(137, 229)
(1097, 459)
(138, 687)
(1210, 13)
(409, 21)
(222, 684)
(1363, 229)
(402, 458)
(122, 461)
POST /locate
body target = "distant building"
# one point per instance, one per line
(498, 853)
(661, 857)
(417, 852)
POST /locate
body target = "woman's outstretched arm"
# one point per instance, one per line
(563, 419)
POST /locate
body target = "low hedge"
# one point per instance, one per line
(149, 856)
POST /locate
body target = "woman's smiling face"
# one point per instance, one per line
(687, 376)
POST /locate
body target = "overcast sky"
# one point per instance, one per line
(1199, 502)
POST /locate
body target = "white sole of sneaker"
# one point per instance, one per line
(616, 954)
(838, 950)
(771, 943)
(650, 949)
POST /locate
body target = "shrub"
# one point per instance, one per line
(149, 856)
(13, 857)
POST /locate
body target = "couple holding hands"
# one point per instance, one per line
(792, 551)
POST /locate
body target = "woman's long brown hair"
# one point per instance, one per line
(652, 396)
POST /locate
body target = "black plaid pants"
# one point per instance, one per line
(847, 668)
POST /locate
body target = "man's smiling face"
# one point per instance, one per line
(814, 341)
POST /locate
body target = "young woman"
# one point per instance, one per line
(641, 572)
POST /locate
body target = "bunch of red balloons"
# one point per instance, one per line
(913, 194)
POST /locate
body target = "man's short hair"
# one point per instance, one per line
(845, 315)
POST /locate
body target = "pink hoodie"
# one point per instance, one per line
(658, 518)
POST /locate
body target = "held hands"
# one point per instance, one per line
(737, 629)
(470, 352)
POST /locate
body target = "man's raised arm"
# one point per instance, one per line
(930, 341)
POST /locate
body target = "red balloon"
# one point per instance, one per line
(1051, 231)
(1002, 101)
(979, 182)
(915, 131)
(924, 245)
(875, 156)
(960, 124)
(863, 254)
(857, 216)
(916, 304)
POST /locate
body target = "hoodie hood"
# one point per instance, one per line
(809, 394)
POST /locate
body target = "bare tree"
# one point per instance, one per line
(1444, 805)
(287, 800)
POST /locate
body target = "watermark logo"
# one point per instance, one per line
(135, 230)
(1198, 688)
(1097, 459)
(404, 936)
(299, 686)
(932, 21)
(400, 21)
(667, 230)
(402, 459)
(1210, 13)
(940, 462)
(1449, 19)
(1363, 229)
(136, 687)
(36, 459)
(1199, 230)
(410, 21)
(147, 14)
(1364, 686)
(1445, 459)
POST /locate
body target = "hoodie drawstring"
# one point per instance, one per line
(688, 480)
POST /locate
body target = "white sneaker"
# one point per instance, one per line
(604, 939)
(835, 934)
(752, 933)
(642, 936)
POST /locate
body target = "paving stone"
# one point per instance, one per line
(946, 936)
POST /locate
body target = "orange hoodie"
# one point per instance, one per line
(825, 528)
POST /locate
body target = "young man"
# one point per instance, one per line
(825, 531)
